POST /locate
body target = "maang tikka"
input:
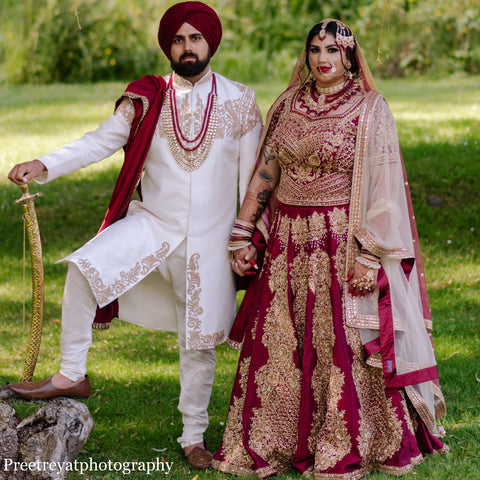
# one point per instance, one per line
(343, 36)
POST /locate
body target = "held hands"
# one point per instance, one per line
(244, 261)
(23, 172)
(361, 280)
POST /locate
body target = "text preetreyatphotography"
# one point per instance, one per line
(125, 468)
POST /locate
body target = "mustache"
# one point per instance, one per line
(188, 55)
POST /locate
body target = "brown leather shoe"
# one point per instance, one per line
(44, 389)
(199, 458)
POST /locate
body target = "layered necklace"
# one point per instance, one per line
(190, 154)
(318, 100)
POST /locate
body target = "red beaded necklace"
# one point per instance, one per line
(182, 140)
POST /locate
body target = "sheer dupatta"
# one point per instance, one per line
(395, 322)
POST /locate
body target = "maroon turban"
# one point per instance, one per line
(198, 15)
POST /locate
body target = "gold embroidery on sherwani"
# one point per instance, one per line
(203, 124)
(195, 339)
(126, 110)
(239, 116)
(236, 117)
(106, 293)
(145, 105)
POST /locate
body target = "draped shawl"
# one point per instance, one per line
(147, 94)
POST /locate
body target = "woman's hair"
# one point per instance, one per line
(336, 29)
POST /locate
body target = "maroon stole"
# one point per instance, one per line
(151, 88)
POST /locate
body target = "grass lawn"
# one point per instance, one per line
(134, 371)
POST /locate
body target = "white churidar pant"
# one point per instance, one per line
(197, 367)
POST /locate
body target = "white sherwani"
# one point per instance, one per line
(197, 206)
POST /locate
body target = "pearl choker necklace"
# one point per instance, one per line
(330, 90)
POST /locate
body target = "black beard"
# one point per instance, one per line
(189, 69)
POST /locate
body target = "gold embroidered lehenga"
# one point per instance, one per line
(311, 390)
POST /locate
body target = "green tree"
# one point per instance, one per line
(86, 40)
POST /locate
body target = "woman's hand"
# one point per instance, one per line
(23, 172)
(361, 280)
(244, 261)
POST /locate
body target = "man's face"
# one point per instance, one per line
(190, 52)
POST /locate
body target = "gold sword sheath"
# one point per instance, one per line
(33, 232)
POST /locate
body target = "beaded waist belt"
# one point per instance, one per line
(326, 190)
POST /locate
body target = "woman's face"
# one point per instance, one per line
(325, 59)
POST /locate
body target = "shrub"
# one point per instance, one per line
(86, 40)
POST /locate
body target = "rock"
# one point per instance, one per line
(48, 440)
(6, 393)
(8, 433)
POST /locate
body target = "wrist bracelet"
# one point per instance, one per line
(368, 263)
(232, 246)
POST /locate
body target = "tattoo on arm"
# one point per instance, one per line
(263, 198)
(268, 154)
(255, 216)
(265, 175)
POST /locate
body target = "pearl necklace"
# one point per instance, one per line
(329, 90)
(190, 154)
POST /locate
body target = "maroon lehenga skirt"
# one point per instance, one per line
(303, 396)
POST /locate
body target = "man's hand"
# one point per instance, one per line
(245, 261)
(23, 172)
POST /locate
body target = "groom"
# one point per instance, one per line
(161, 262)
